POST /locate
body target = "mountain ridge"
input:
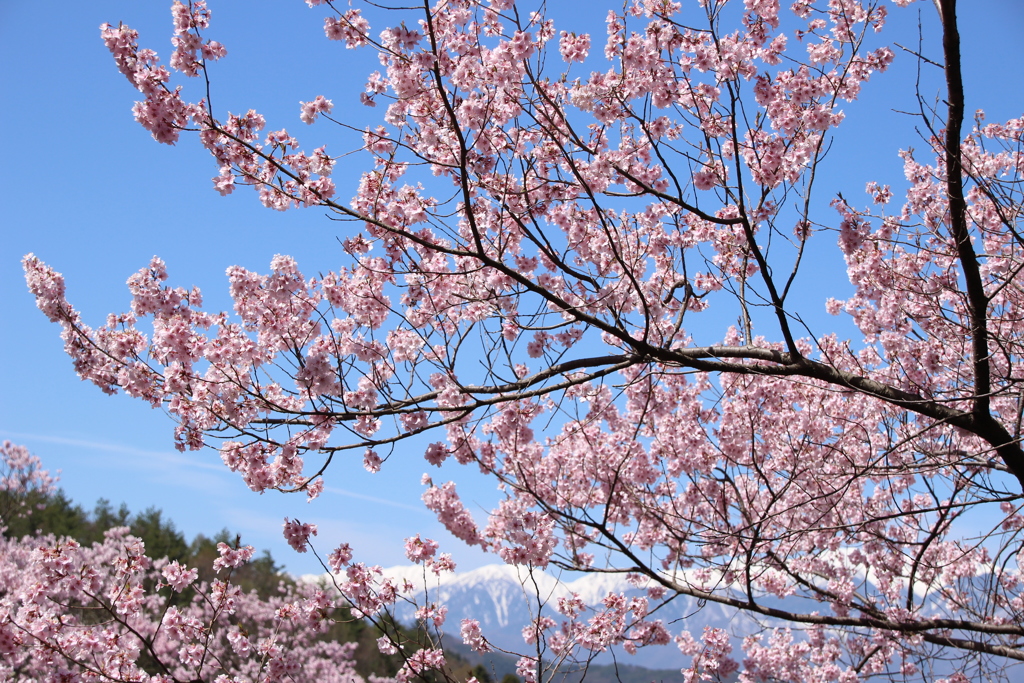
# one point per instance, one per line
(505, 598)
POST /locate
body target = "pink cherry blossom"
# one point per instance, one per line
(340, 557)
(297, 534)
(310, 110)
(472, 636)
(232, 557)
(419, 550)
(179, 577)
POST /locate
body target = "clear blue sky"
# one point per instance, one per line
(88, 191)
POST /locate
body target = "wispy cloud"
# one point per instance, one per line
(157, 459)
(169, 457)
(379, 501)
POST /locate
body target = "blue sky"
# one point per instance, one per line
(91, 193)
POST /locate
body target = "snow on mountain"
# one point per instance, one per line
(505, 598)
(499, 596)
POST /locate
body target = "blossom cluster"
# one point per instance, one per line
(21, 474)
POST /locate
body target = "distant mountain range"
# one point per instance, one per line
(504, 598)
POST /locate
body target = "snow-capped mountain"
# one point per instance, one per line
(504, 598)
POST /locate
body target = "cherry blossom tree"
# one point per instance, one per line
(23, 481)
(550, 231)
(111, 613)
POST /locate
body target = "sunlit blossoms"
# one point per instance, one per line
(579, 261)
